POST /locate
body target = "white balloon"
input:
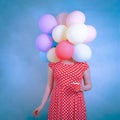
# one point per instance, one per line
(77, 33)
(82, 52)
(59, 33)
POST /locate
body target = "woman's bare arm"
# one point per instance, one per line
(49, 87)
(47, 92)
(87, 80)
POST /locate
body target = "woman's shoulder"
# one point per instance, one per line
(84, 64)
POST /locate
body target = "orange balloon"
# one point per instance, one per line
(61, 18)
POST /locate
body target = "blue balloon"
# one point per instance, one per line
(54, 44)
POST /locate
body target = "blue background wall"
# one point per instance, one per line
(23, 76)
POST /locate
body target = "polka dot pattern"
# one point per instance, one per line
(66, 102)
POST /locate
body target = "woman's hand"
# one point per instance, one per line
(37, 111)
(75, 87)
(78, 87)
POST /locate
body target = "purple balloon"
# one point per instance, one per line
(44, 42)
(47, 22)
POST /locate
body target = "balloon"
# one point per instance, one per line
(54, 44)
(75, 17)
(61, 18)
(91, 34)
(77, 33)
(59, 33)
(44, 42)
(43, 56)
(63, 37)
(51, 55)
(47, 22)
(82, 52)
(64, 50)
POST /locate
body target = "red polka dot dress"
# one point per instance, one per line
(66, 103)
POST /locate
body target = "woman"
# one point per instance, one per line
(66, 90)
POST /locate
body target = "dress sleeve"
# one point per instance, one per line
(85, 65)
(51, 65)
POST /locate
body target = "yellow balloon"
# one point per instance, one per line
(51, 55)
(59, 33)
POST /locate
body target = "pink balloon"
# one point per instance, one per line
(75, 17)
(47, 22)
(91, 34)
(64, 50)
(61, 18)
(44, 42)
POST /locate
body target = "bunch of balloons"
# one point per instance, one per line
(65, 36)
